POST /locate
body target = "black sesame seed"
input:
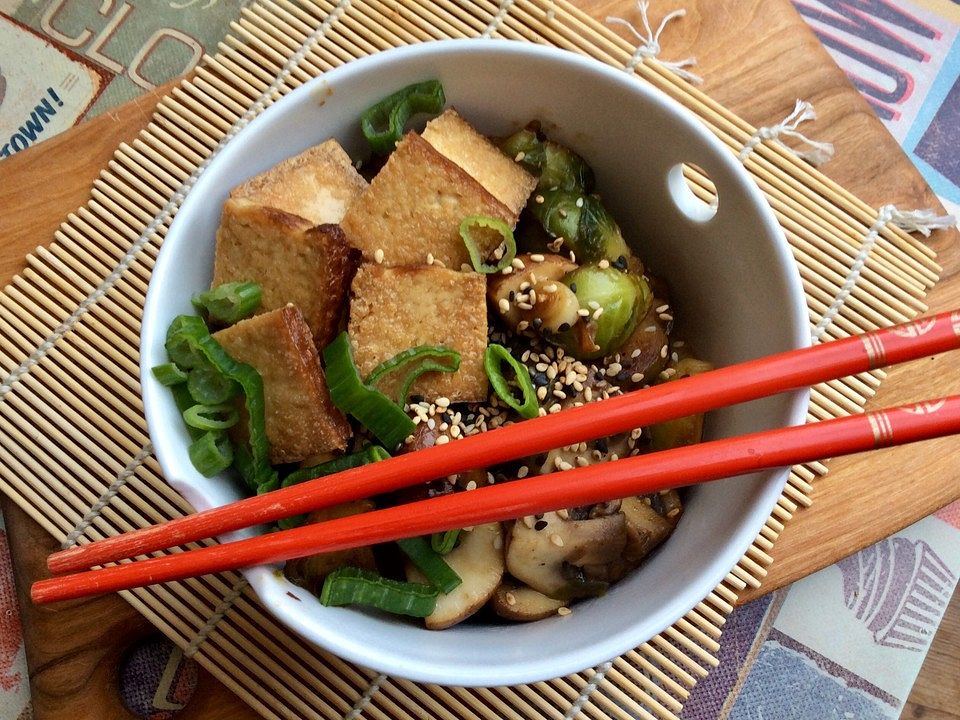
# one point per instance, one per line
(573, 287)
(539, 379)
(540, 525)
(601, 445)
(563, 327)
(512, 295)
(537, 322)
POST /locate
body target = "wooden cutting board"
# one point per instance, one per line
(756, 58)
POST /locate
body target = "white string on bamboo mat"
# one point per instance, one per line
(222, 608)
(122, 477)
(921, 221)
(360, 705)
(819, 152)
(175, 200)
(588, 690)
(502, 13)
(650, 42)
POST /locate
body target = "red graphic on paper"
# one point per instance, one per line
(950, 514)
(3, 86)
(11, 635)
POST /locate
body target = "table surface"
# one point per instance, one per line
(751, 79)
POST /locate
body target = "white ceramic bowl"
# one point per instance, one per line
(733, 281)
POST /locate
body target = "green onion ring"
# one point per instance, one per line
(493, 360)
(491, 223)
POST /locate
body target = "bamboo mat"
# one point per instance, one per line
(74, 451)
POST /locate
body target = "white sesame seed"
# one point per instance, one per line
(507, 270)
(551, 372)
(603, 264)
(520, 156)
(430, 258)
(378, 255)
(533, 279)
(587, 394)
(533, 296)
(675, 357)
(432, 424)
(582, 461)
(522, 472)
(560, 394)
(556, 539)
(537, 257)
(541, 393)
(563, 514)
(663, 351)
(564, 465)
(521, 326)
(524, 306)
(635, 353)
(580, 202)
(650, 329)
(541, 412)
(616, 367)
(583, 312)
(636, 377)
(563, 611)
(518, 263)
(443, 440)
(455, 431)
(504, 305)
(555, 408)
(510, 598)
(529, 521)
(442, 402)
(593, 305)
(472, 485)
(538, 199)
(666, 317)
(597, 313)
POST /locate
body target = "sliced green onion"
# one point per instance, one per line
(209, 386)
(383, 124)
(211, 417)
(425, 355)
(179, 345)
(190, 337)
(374, 410)
(169, 374)
(211, 453)
(229, 303)
(493, 360)
(243, 464)
(430, 563)
(370, 454)
(355, 586)
(468, 230)
(444, 542)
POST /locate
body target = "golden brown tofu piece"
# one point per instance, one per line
(396, 308)
(300, 417)
(293, 261)
(415, 205)
(457, 140)
(318, 184)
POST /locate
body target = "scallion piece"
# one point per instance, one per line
(370, 454)
(355, 586)
(430, 563)
(209, 386)
(474, 224)
(211, 417)
(493, 361)
(211, 453)
(229, 303)
(444, 542)
(424, 358)
(169, 374)
(189, 337)
(383, 124)
(374, 410)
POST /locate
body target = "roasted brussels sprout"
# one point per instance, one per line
(557, 167)
(584, 223)
(614, 301)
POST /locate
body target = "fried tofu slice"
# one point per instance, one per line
(415, 205)
(318, 184)
(293, 262)
(301, 419)
(396, 308)
(458, 141)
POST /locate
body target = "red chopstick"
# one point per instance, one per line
(718, 388)
(581, 486)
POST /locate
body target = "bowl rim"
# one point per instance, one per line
(525, 670)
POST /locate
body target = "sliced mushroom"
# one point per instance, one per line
(540, 548)
(522, 603)
(478, 560)
(645, 353)
(309, 572)
(553, 304)
(687, 430)
(645, 528)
